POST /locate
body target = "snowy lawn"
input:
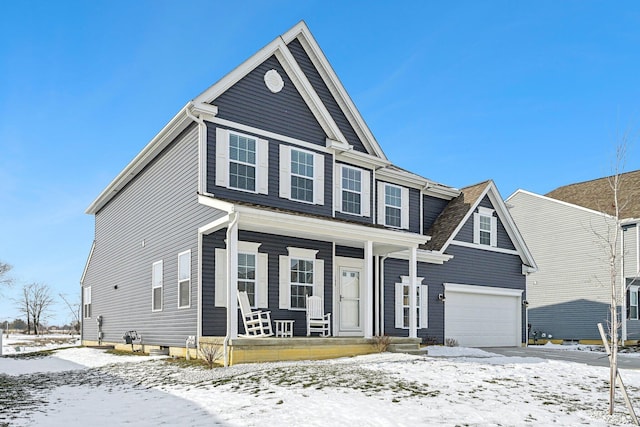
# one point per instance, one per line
(451, 386)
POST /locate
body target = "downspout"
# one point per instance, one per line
(202, 137)
(233, 223)
(376, 295)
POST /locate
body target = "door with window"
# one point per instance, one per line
(350, 303)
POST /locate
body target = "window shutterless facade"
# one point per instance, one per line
(86, 302)
(632, 299)
(184, 279)
(156, 286)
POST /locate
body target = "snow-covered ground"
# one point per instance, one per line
(450, 386)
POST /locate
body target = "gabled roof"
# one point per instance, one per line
(459, 210)
(597, 194)
(200, 106)
(278, 47)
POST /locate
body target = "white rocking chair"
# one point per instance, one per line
(256, 323)
(317, 321)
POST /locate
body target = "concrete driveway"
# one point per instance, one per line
(592, 358)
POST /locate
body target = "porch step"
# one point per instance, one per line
(409, 348)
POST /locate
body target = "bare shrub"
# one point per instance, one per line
(450, 342)
(210, 353)
(381, 343)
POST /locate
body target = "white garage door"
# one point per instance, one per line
(482, 316)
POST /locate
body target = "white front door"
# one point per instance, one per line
(350, 304)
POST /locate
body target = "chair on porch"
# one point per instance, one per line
(256, 323)
(317, 320)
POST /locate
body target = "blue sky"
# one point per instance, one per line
(529, 94)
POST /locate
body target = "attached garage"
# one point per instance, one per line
(483, 316)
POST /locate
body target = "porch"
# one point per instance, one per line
(255, 350)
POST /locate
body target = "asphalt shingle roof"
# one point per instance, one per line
(597, 194)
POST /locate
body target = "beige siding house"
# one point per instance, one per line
(568, 232)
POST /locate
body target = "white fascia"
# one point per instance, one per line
(212, 202)
(171, 130)
(430, 257)
(357, 158)
(254, 219)
(482, 290)
(302, 33)
(86, 265)
(560, 202)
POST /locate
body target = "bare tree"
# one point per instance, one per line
(4, 270)
(35, 303)
(74, 309)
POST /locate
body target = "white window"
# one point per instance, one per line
(301, 274)
(156, 286)
(184, 279)
(485, 227)
(252, 275)
(301, 175)
(633, 301)
(86, 302)
(242, 162)
(402, 306)
(393, 205)
(352, 190)
(247, 276)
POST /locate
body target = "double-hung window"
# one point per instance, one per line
(352, 190)
(242, 162)
(403, 307)
(301, 175)
(86, 302)
(632, 299)
(301, 275)
(156, 286)
(301, 281)
(252, 275)
(485, 226)
(184, 279)
(393, 205)
(247, 275)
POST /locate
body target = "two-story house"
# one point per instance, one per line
(570, 232)
(270, 182)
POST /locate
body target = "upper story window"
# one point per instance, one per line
(242, 162)
(393, 205)
(301, 175)
(485, 227)
(352, 190)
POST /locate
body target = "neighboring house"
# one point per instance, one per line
(271, 182)
(568, 233)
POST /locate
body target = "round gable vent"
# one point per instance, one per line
(274, 81)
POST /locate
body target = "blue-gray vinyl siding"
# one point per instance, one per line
(466, 232)
(571, 320)
(272, 199)
(432, 207)
(155, 217)
(251, 103)
(303, 60)
(468, 267)
(214, 318)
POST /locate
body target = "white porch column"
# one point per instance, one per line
(368, 289)
(232, 277)
(413, 274)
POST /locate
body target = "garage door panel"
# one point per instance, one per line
(482, 319)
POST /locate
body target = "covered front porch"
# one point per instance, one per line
(254, 350)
